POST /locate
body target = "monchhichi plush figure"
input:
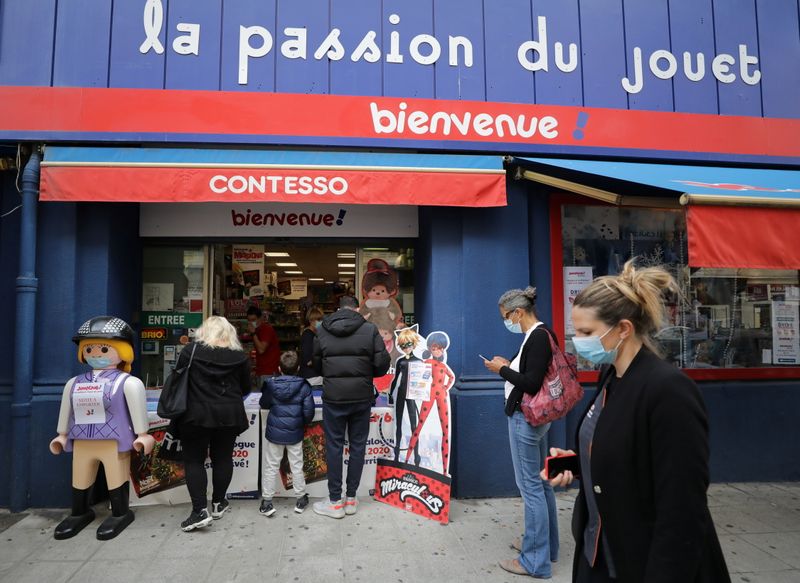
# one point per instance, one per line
(379, 288)
(103, 418)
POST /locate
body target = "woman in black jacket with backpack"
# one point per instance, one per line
(219, 379)
(538, 547)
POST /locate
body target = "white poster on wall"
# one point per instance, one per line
(277, 220)
(575, 279)
(157, 297)
(785, 333)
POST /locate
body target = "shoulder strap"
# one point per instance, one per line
(191, 356)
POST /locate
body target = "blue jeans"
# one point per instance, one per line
(528, 450)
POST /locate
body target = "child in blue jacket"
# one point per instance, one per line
(291, 407)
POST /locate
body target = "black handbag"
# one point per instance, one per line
(172, 402)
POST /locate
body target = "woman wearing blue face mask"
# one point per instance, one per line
(642, 513)
(538, 546)
(314, 319)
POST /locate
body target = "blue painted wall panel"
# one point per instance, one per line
(130, 67)
(779, 46)
(460, 18)
(735, 24)
(563, 26)
(603, 54)
(692, 30)
(200, 71)
(260, 70)
(303, 75)
(83, 37)
(647, 27)
(355, 18)
(409, 78)
(26, 29)
(506, 79)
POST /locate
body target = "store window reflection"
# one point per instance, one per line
(727, 318)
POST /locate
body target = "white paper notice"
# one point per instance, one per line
(575, 279)
(87, 403)
(420, 379)
(785, 333)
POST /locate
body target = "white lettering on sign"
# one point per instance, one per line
(664, 65)
(303, 185)
(402, 121)
(426, 49)
(165, 320)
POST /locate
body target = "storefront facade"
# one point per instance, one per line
(147, 108)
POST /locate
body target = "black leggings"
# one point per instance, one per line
(197, 443)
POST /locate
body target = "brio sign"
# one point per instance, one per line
(154, 334)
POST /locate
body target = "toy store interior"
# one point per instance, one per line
(183, 284)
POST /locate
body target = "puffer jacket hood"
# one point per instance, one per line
(343, 322)
(291, 408)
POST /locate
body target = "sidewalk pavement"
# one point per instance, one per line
(758, 524)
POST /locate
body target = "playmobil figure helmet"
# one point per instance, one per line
(107, 327)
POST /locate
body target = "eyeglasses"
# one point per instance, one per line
(406, 345)
(508, 313)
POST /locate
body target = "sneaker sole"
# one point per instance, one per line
(196, 525)
(330, 514)
(299, 510)
(268, 514)
(218, 516)
(349, 512)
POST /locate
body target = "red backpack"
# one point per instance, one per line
(560, 390)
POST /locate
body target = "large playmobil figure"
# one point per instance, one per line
(379, 288)
(441, 380)
(407, 340)
(103, 418)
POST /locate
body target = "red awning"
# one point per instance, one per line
(743, 237)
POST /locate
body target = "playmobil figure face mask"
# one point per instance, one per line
(100, 356)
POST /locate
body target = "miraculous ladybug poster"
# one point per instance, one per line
(417, 478)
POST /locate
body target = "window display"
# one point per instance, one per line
(727, 318)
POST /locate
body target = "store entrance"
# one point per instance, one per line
(283, 279)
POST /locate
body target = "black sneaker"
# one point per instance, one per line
(266, 509)
(301, 504)
(196, 520)
(219, 508)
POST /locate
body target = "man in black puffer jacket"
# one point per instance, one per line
(348, 353)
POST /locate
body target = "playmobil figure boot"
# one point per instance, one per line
(81, 515)
(121, 515)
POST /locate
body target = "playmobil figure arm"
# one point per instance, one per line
(137, 408)
(59, 443)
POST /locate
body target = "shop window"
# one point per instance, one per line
(172, 306)
(727, 318)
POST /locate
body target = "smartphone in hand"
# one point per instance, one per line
(555, 465)
(483, 357)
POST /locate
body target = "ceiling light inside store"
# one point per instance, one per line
(276, 254)
(315, 279)
(347, 265)
(346, 255)
(329, 282)
(347, 273)
(286, 264)
(375, 249)
(293, 272)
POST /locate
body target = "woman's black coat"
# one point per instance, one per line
(649, 467)
(533, 364)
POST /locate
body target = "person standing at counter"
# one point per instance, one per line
(525, 374)
(348, 352)
(314, 321)
(265, 340)
(642, 512)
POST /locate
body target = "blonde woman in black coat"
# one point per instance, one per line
(642, 513)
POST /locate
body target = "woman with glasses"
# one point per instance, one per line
(538, 547)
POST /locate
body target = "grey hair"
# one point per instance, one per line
(519, 298)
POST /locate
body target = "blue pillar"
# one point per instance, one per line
(27, 285)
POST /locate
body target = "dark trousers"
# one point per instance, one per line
(197, 443)
(338, 420)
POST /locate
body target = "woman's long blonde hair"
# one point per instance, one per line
(636, 295)
(217, 332)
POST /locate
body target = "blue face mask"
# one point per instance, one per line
(512, 327)
(99, 362)
(317, 324)
(591, 348)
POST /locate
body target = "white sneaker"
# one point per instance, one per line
(326, 507)
(219, 508)
(350, 505)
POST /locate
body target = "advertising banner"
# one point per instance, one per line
(575, 279)
(248, 267)
(315, 469)
(785, 333)
(418, 478)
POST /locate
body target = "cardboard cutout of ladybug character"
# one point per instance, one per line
(103, 418)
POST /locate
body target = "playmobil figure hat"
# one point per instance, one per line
(109, 327)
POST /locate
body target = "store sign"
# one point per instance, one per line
(277, 220)
(172, 319)
(154, 334)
